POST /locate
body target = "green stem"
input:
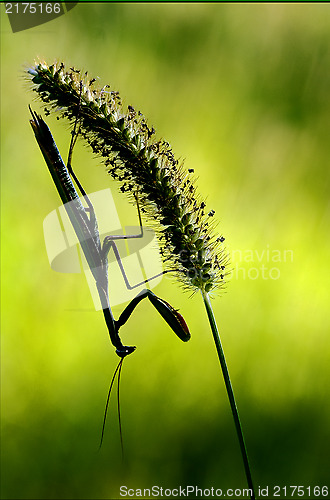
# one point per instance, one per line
(230, 391)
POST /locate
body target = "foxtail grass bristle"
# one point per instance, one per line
(141, 164)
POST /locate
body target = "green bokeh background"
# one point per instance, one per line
(241, 92)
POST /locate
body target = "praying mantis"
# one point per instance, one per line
(84, 222)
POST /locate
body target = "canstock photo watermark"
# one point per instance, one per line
(134, 260)
(263, 263)
(26, 15)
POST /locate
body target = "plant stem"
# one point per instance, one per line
(230, 391)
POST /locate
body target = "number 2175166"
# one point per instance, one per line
(301, 491)
(33, 8)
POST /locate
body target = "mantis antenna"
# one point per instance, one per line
(119, 367)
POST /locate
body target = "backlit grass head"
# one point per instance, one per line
(141, 164)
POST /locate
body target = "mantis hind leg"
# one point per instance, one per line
(74, 137)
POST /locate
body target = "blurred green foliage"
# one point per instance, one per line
(241, 92)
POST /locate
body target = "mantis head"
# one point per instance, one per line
(125, 350)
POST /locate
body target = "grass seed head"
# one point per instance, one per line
(133, 156)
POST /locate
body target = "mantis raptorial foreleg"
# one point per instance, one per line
(172, 317)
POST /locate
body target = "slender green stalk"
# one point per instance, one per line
(230, 392)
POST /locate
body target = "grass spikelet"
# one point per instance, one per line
(127, 146)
